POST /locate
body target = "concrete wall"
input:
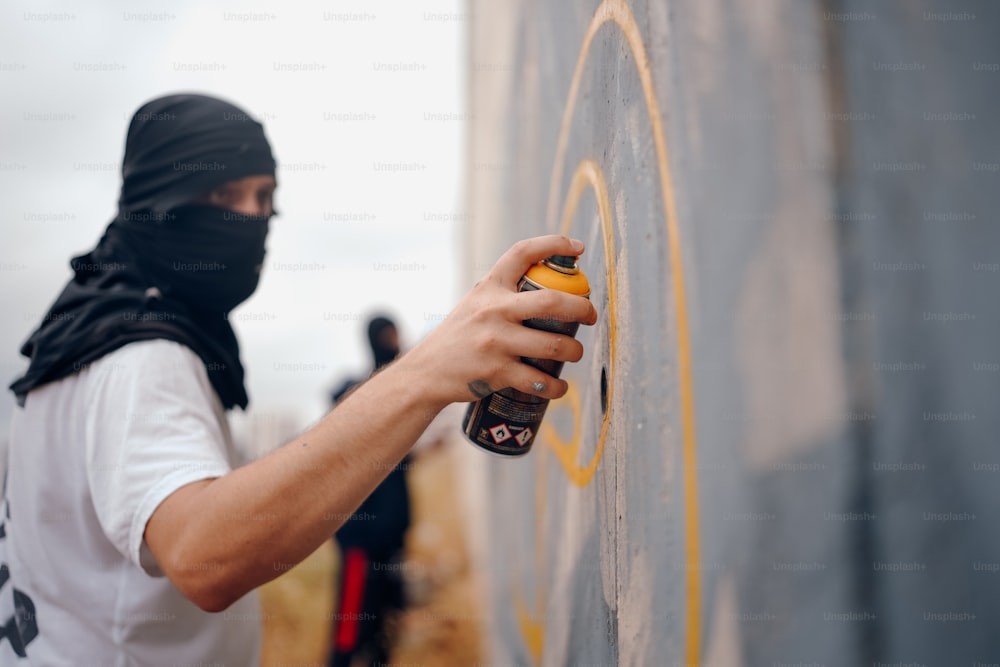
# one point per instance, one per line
(724, 482)
(919, 182)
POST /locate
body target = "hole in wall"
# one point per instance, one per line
(604, 390)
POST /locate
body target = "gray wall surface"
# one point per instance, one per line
(779, 448)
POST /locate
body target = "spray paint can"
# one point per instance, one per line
(506, 422)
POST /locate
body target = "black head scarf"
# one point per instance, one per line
(166, 267)
(382, 352)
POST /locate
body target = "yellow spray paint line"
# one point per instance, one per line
(530, 624)
(588, 174)
(536, 640)
(619, 13)
(567, 452)
(531, 628)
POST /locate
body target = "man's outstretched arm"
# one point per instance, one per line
(217, 539)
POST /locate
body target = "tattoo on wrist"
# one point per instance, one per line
(480, 389)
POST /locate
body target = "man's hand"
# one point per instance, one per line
(478, 348)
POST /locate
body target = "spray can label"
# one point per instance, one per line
(507, 421)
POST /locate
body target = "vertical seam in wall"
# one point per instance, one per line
(856, 347)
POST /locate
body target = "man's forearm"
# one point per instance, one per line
(234, 533)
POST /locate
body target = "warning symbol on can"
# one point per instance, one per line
(524, 437)
(500, 432)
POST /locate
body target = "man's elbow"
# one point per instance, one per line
(209, 586)
(187, 553)
(211, 597)
(212, 602)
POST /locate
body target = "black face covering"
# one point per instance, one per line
(165, 267)
(206, 257)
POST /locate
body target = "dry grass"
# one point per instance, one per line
(442, 625)
(297, 608)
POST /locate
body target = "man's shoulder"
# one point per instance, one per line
(135, 362)
(144, 355)
(149, 368)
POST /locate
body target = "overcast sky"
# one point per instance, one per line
(364, 104)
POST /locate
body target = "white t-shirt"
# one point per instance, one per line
(91, 457)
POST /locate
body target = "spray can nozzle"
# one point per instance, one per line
(562, 263)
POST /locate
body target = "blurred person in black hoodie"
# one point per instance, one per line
(370, 595)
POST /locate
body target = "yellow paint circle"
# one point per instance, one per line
(589, 173)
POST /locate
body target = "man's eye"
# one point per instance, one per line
(220, 194)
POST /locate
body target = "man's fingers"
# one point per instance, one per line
(530, 380)
(513, 263)
(549, 304)
(544, 345)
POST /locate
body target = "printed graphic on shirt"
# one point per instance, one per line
(19, 628)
